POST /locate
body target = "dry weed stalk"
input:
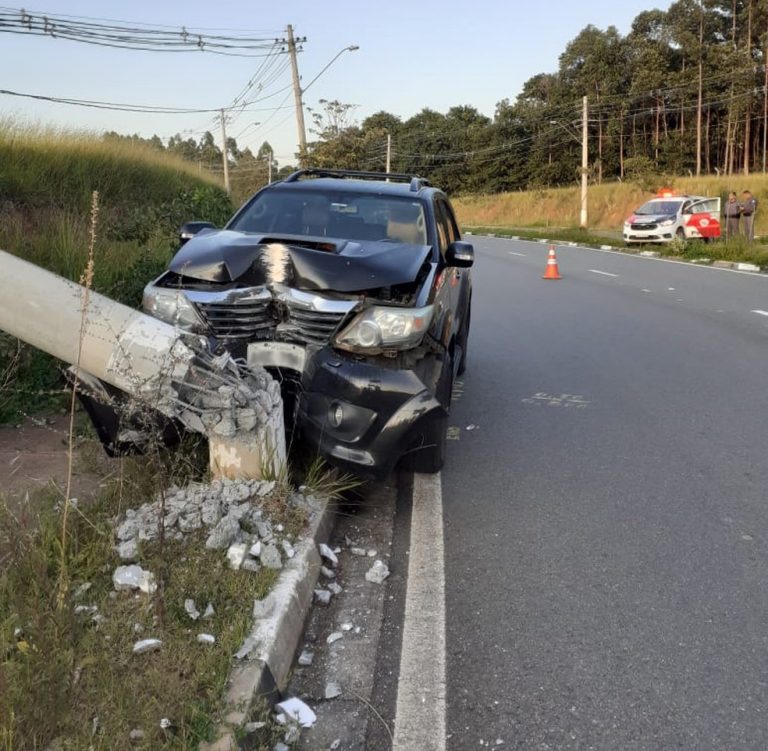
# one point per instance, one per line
(86, 281)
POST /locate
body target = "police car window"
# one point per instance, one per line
(659, 207)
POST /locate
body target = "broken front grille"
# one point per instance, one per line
(257, 315)
(247, 318)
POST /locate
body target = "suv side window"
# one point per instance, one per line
(446, 227)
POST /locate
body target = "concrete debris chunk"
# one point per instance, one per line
(297, 710)
(146, 645)
(206, 638)
(335, 588)
(251, 565)
(328, 554)
(264, 530)
(332, 690)
(371, 553)
(133, 577)
(288, 549)
(236, 554)
(129, 528)
(87, 609)
(334, 637)
(306, 658)
(191, 521)
(82, 589)
(191, 608)
(136, 735)
(327, 573)
(210, 512)
(255, 549)
(323, 596)
(209, 612)
(347, 626)
(337, 743)
(358, 551)
(280, 746)
(223, 534)
(128, 550)
(377, 573)
(252, 727)
(270, 557)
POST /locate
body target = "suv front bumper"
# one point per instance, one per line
(363, 416)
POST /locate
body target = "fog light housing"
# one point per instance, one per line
(335, 414)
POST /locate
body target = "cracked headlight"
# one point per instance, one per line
(171, 306)
(381, 328)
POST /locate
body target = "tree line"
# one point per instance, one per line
(684, 92)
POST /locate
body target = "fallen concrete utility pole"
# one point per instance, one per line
(163, 367)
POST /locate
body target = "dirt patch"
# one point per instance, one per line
(35, 455)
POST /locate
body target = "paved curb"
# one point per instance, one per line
(261, 666)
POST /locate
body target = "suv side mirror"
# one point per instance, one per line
(460, 254)
(190, 229)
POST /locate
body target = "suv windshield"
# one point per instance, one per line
(659, 207)
(341, 214)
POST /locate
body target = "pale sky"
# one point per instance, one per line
(431, 53)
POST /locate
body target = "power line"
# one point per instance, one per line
(141, 37)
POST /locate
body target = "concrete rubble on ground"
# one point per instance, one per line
(147, 645)
(230, 511)
(377, 573)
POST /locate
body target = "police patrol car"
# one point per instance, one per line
(669, 216)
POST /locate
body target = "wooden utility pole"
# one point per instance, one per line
(297, 96)
(700, 93)
(224, 151)
(389, 152)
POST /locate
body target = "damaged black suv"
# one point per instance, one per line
(354, 289)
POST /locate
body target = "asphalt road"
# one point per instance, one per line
(606, 522)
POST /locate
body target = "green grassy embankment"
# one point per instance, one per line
(553, 213)
(47, 179)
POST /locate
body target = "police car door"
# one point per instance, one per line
(703, 219)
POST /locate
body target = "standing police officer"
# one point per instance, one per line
(748, 209)
(732, 211)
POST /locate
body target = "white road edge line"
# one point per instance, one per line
(421, 691)
(761, 312)
(512, 253)
(603, 273)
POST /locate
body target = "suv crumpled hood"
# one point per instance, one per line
(225, 256)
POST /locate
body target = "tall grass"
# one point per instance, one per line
(47, 178)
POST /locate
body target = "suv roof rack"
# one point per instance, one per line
(416, 182)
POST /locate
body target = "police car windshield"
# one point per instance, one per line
(659, 207)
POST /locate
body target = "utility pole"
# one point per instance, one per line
(584, 162)
(297, 95)
(389, 152)
(271, 157)
(224, 152)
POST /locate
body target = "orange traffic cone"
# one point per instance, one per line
(552, 271)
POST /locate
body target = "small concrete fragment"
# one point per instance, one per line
(209, 612)
(328, 554)
(332, 690)
(249, 564)
(252, 727)
(270, 557)
(296, 709)
(255, 549)
(327, 573)
(206, 638)
(377, 573)
(133, 577)
(323, 596)
(335, 588)
(358, 551)
(288, 549)
(306, 658)
(236, 555)
(334, 637)
(191, 609)
(128, 550)
(136, 735)
(224, 533)
(146, 645)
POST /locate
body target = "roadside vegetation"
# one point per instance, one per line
(47, 178)
(553, 214)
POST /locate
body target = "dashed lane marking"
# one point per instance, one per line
(761, 312)
(420, 713)
(602, 273)
(512, 253)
